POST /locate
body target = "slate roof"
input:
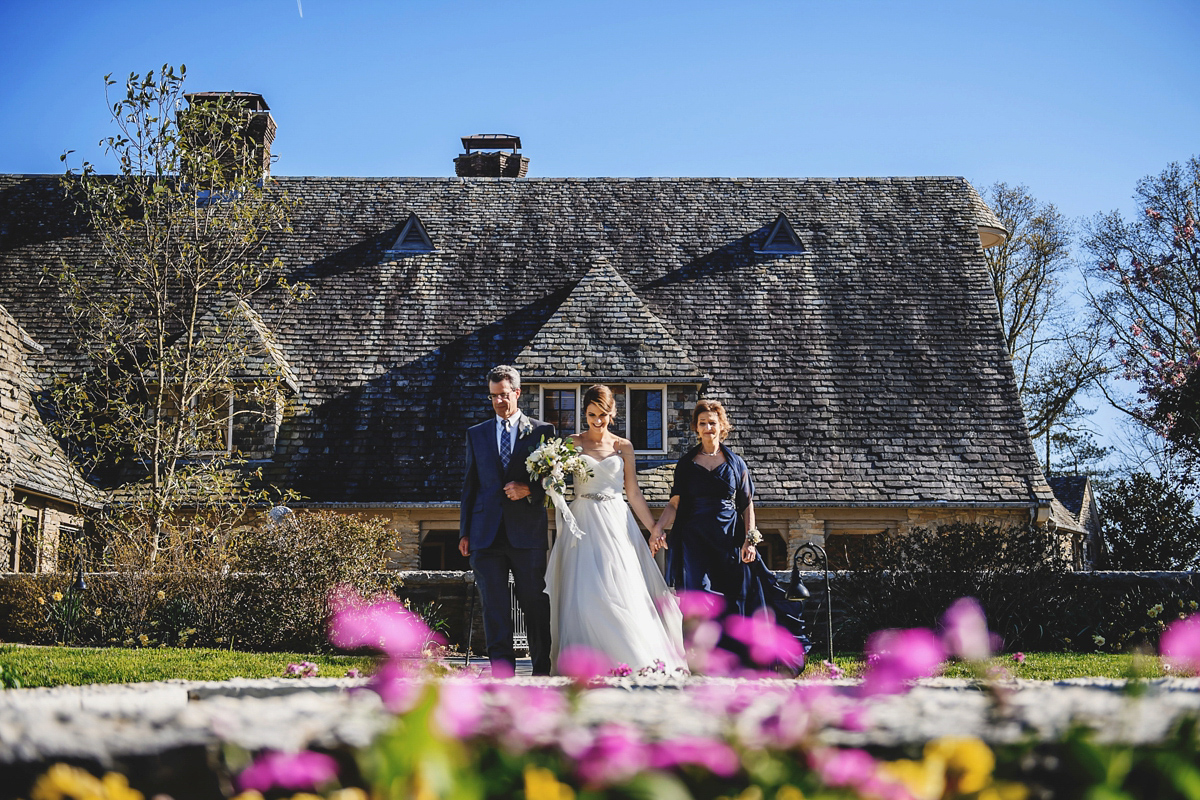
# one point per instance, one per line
(37, 462)
(1073, 506)
(868, 369)
(604, 333)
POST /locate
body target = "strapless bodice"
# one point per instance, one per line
(607, 481)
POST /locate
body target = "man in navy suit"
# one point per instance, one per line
(504, 525)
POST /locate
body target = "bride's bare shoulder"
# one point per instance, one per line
(623, 446)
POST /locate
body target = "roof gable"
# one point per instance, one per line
(604, 332)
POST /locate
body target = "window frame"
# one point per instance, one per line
(662, 393)
(578, 389)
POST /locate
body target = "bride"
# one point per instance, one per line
(606, 591)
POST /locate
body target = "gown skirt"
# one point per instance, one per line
(606, 591)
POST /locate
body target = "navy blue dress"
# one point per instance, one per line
(704, 546)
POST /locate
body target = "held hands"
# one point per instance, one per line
(515, 490)
(749, 553)
(658, 540)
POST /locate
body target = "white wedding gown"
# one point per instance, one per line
(606, 591)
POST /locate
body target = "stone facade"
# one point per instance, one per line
(40, 494)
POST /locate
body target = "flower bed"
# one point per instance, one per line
(763, 736)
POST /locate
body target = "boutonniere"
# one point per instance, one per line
(525, 428)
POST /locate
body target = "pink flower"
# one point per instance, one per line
(833, 669)
(965, 632)
(396, 685)
(621, 671)
(901, 656)
(1180, 644)
(304, 770)
(524, 716)
(460, 707)
(1019, 658)
(582, 663)
(714, 755)
(616, 754)
(385, 625)
(838, 767)
(700, 605)
(767, 642)
(353, 673)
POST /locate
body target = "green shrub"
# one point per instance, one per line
(279, 598)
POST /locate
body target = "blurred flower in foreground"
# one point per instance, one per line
(700, 605)
(460, 707)
(767, 643)
(900, 656)
(540, 784)
(1180, 644)
(304, 770)
(617, 754)
(62, 781)
(965, 632)
(384, 625)
(713, 754)
(582, 663)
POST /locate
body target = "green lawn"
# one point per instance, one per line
(59, 666)
(73, 666)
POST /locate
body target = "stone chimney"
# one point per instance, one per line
(489, 159)
(257, 135)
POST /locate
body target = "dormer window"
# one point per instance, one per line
(412, 238)
(782, 238)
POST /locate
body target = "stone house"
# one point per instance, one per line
(41, 496)
(848, 325)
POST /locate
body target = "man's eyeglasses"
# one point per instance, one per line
(500, 396)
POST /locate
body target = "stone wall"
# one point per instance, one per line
(11, 363)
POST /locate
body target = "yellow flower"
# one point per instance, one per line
(97, 612)
(540, 784)
(1193, 605)
(349, 793)
(969, 762)
(1004, 791)
(63, 782)
(143, 639)
(249, 794)
(789, 792)
(57, 597)
(1154, 610)
(161, 595)
(925, 780)
(306, 796)
(41, 601)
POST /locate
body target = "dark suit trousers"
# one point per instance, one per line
(528, 565)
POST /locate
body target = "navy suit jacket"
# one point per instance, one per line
(483, 504)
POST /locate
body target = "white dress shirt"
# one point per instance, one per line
(514, 422)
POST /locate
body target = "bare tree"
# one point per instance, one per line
(1055, 357)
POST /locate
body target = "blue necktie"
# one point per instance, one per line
(505, 445)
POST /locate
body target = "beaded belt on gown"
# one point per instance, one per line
(601, 496)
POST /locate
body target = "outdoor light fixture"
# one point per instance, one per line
(811, 555)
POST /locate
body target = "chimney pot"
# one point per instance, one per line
(488, 159)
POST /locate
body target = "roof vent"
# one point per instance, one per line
(489, 160)
(412, 238)
(782, 238)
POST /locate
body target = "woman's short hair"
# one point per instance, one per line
(602, 396)
(714, 406)
(503, 373)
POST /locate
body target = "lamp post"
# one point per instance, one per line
(810, 554)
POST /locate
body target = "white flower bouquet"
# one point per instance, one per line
(552, 462)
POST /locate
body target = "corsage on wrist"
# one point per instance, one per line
(753, 537)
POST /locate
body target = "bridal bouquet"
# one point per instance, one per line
(552, 462)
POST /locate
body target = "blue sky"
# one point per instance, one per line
(1076, 100)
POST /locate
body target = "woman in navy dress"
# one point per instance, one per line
(712, 545)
